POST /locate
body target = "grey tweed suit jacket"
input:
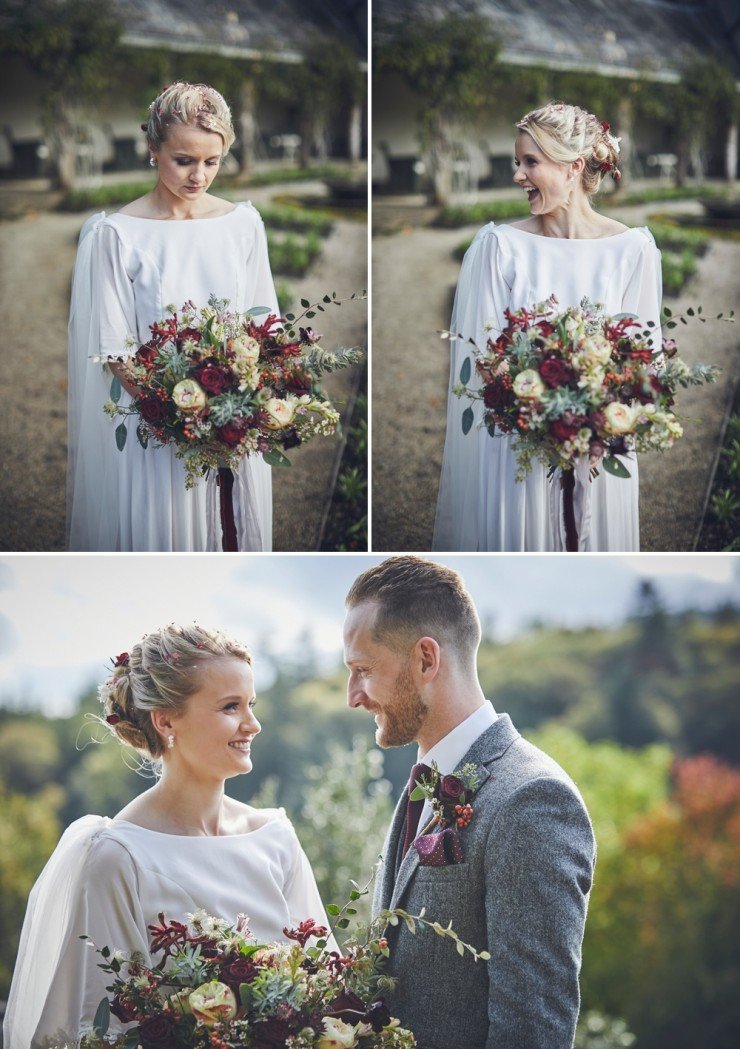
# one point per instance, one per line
(520, 893)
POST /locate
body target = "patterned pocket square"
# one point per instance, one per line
(442, 849)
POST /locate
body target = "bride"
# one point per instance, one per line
(562, 154)
(184, 697)
(175, 244)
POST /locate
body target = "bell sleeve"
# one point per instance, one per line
(482, 295)
(89, 887)
(643, 294)
(102, 316)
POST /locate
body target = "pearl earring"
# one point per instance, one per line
(152, 162)
(170, 742)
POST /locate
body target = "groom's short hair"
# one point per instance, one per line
(418, 598)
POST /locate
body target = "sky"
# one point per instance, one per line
(62, 616)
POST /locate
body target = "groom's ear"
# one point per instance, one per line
(427, 659)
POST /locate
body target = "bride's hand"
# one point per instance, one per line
(121, 374)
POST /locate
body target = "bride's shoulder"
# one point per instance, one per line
(243, 818)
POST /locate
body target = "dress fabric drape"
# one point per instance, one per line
(481, 505)
(129, 271)
(110, 879)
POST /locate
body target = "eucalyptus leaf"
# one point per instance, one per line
(142, 435)
(467, 420)
(131, 1040)
(332, 910)
(121, 435)
(305, 303)
(101, 1020)
(258, 311)
(276, 458)
(115, 389)
(417, 794)
(465, 371)
(615, 467)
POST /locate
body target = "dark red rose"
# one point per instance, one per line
(233, 432)
(271, 1034)
(291, 439)
(347, 1006)
(498, 395)
(555, 372)
(239, 970)
(566, 428)
(450, 788)
(215, 378)
(188, 334)
(124, 1010)
(147, 355)
(157, 1032)
(153, 410)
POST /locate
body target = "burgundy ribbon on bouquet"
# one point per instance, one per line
(568, 483)
(225, 482)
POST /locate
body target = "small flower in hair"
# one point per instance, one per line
(616, 175)
(113, 719)
(605, 125)
(606, 167)
(121, 660)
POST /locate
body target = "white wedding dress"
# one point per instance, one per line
(128, 271)
(481, 505)
(110, 879)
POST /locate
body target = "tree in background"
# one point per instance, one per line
(69, 44)
(662, 933)
(29, 831)
(449, 63)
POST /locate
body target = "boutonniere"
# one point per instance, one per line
(449, 796)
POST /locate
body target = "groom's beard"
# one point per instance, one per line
(403, 715)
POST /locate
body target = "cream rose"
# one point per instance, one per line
(595, 350)
(189, 396)
(528, 385)
(245, 349)
(281, 412)
(337, 1034)
(212, 1002)
(619, 418)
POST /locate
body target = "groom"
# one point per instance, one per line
(514, 876)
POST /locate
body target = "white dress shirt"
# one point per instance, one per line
(449, 751)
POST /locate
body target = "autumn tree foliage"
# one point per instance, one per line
(661, 944)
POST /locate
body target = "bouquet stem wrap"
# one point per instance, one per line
(570, 507)
(225, 483)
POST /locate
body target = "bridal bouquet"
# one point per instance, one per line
(575, 383)
(220, 385)
(216, 988)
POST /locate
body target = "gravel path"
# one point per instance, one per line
(37, 252)
(414, 275)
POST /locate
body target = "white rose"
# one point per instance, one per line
(528, 385)
(281, 412)
(338, 1034)
(619, 418)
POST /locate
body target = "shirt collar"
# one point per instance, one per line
(449, 751)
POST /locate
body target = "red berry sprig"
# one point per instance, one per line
(463, 815)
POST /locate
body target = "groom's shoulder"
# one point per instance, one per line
(525, 767)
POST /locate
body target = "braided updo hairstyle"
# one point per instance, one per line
(192, 105)
(565, 133)
(159, 673)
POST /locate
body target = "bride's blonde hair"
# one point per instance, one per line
(192, 105)
(565, 133)
(160, 673)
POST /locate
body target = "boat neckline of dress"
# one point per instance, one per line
(213, 218)
(587, 240)
(202, 837)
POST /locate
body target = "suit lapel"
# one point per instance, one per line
(489, 747)
(393, 842)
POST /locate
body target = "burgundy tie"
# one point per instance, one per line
(413, 808)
